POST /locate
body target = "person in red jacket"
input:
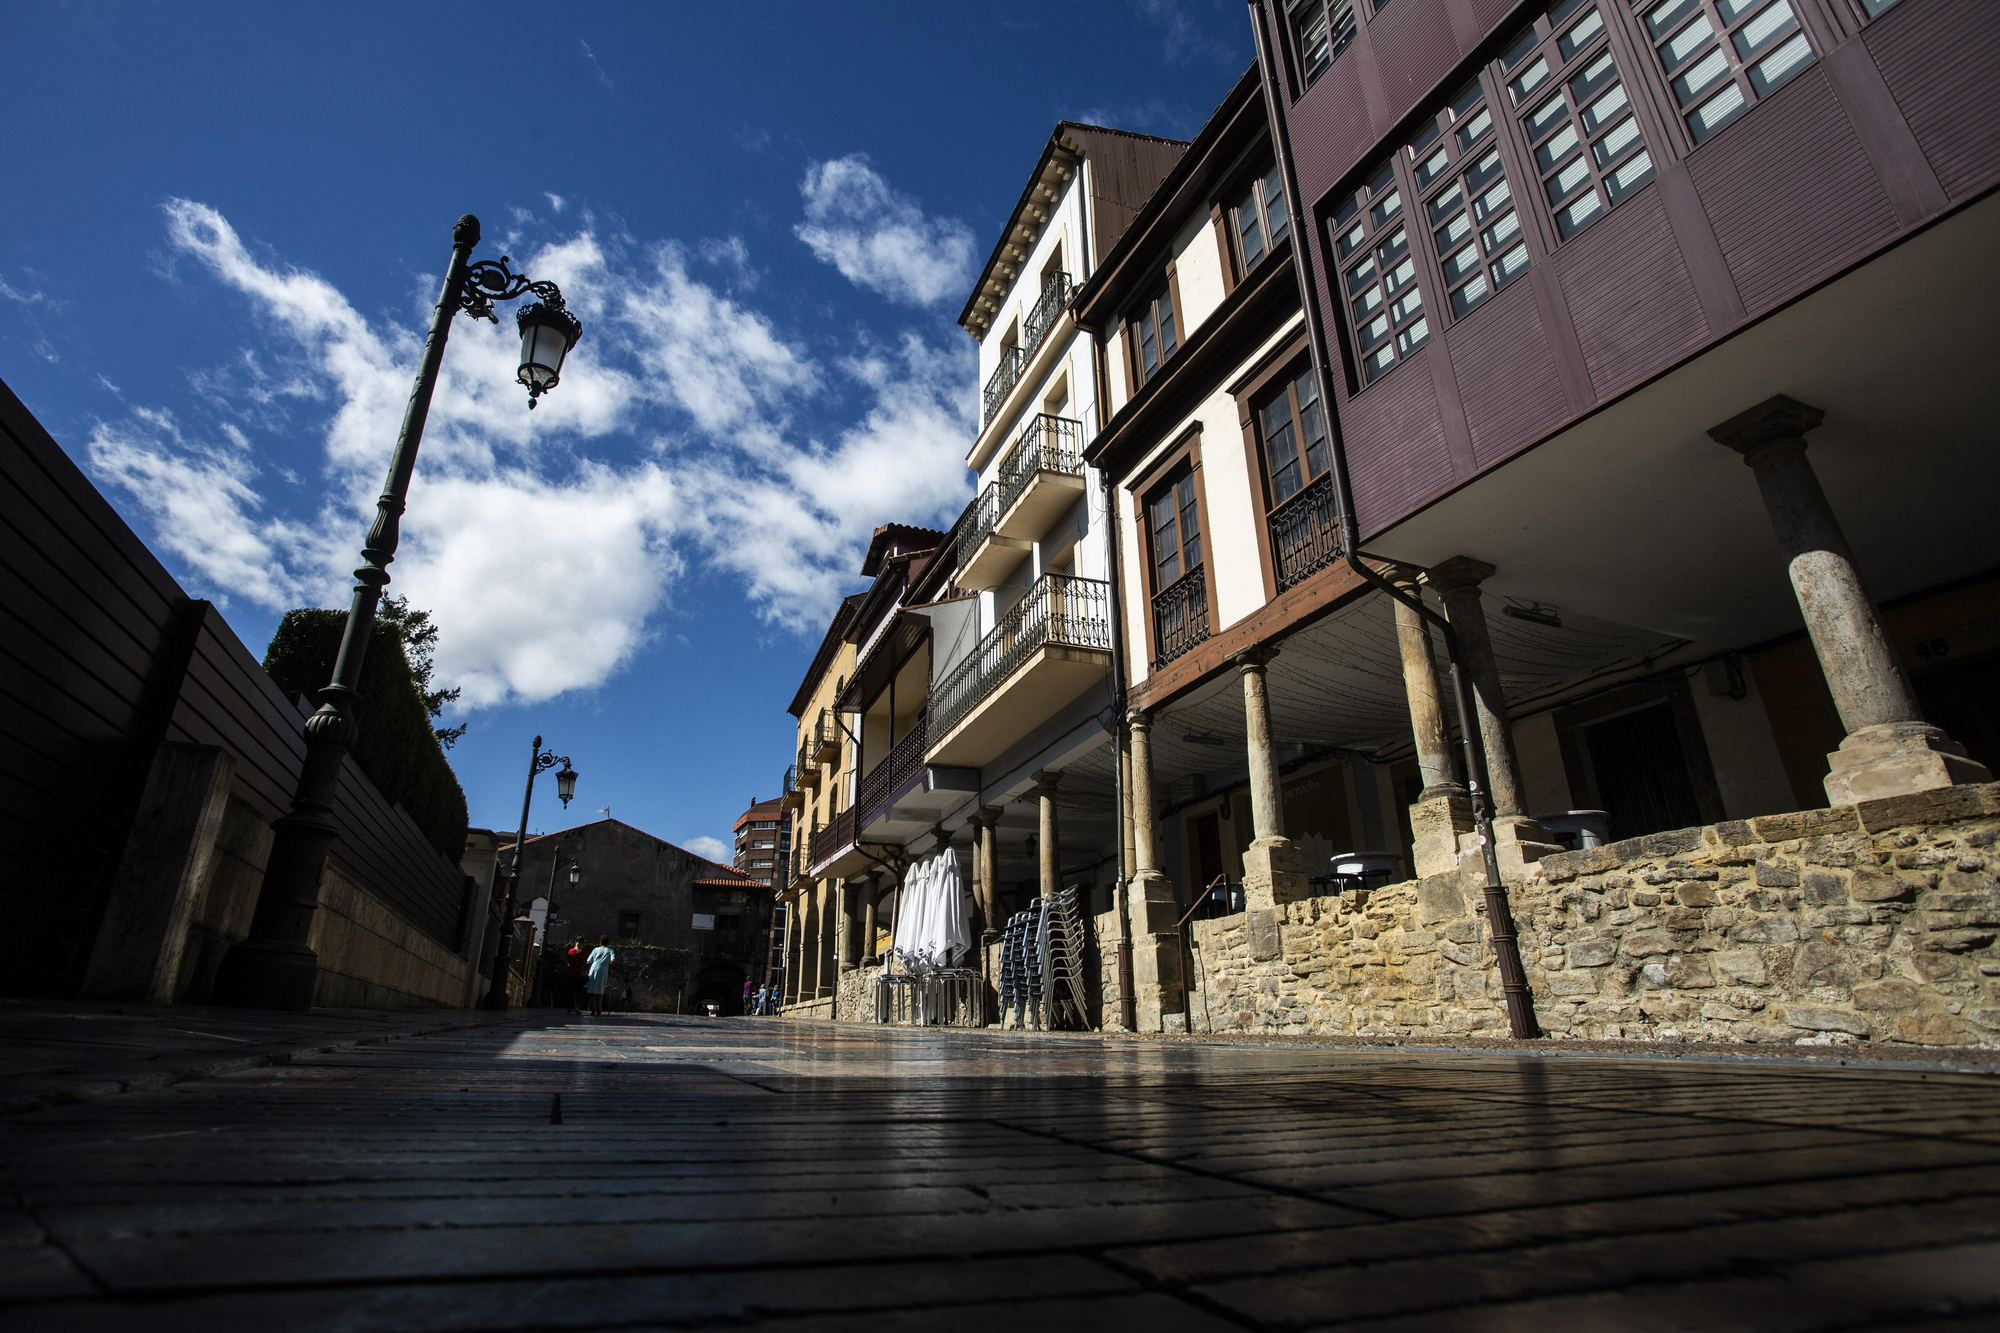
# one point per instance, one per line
(579, 966)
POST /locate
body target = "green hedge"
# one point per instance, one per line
(398, 750)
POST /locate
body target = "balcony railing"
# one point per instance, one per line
(826, 739)
(1305, 532)
(1056, 609)
(833, 838)
(1013, 362)
(978, 524)
(807, 770)
(1180, 615)
(905, 759)
(1056, 291)
(1049, 444)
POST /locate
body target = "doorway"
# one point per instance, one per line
(1641, 772)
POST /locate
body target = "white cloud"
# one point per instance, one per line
(880, 238)
(556, 201)
(545, 545)
(715, 849)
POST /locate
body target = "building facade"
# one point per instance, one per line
(763, 839)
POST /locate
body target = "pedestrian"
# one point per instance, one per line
(579, 966)
(599, 966)
(747, 991)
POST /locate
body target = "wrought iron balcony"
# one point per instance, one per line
(826, 739)
(832, 839)
(1305, 532)
(1039, 477)
(1013, 363)
(1180, 615)
(1047, 444)
(904, 761)
(1056, 291)
(1058, 609)
(807, 770)
(789, 795)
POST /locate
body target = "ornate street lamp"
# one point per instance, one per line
(539, 761)
(274, 968)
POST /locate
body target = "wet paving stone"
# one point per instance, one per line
(783, 1175)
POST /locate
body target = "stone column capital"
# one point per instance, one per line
(1139, 720)
(1777, 420)
(1407, 577)
(1255, 659)
(1047, 781)
(1459, 574)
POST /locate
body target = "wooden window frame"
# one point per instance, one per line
(1359, 226)
(1279, 364)
(1458, 167)
(1184, 451)
(1248, 187)
(1169, 292)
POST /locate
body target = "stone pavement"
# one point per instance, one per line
(801, 1175)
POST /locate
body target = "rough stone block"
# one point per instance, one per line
(1939, 805)
(1958, 941)
(1561, 867)
(1647, 944)
(1728, 834)
(1696, 895)
(1572, 983)
(1766, 930)
(1813, 1018)
(1933, 1030)
(1891, 993)
(1777, 875)
(1690, 972)
(1439, 899)
(1592, 953)
(1804, 823)
(1671, 843)
(1871, 884)
(1261, 925)
(1825, 886)
(1740, 966)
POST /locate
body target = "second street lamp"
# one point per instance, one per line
(539, 761)
(275, 968)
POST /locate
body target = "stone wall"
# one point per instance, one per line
(1870, 922)
(371, 958)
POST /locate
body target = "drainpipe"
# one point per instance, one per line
(1128, 1006)
(1499, 918)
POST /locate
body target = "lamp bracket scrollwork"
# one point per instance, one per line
(488, 281)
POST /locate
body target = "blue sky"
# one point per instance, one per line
(226, 226)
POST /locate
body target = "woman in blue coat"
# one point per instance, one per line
(598, 973)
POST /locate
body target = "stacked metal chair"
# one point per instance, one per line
(1021, 967)
(1065, 962)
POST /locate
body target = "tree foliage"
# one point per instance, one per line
(399, 749)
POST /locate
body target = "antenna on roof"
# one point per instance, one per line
(604, 810)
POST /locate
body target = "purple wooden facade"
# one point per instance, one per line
(1891, 125)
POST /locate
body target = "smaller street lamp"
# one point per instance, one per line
(548, 331)
(539, 761)
(566, 780)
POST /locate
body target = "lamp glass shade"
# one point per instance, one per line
(566, 784)
(575, 876)
(547, 334)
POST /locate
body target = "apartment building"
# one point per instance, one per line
(763, 838)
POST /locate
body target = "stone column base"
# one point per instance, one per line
(1896, 759)
(1441, 827)
(1159, 997)
(1274, 873)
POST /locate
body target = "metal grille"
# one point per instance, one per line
(953, 997)
(1180, 615)
(1305, 532)
(834, 838)
(1057, 608)
(977, 524)
(888, 777)
(1056, 291)
(1049, 444)
(1013, 362)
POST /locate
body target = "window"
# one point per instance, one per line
(1874, 9)
(628, 925)
(1576, 115)
(1153, 336)
(1294, 432)
(1719, 56)
(1320, 31)
(1371, 244)
(1469, 206)
(1175, 520)
(1259, 219)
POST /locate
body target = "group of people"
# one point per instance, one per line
(589, 974)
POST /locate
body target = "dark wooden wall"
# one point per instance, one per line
(1892, 127)
(103, 657)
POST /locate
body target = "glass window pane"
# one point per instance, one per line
(1781, 64)
(1461, 263)
(1361, 275)
(1382, 180)
(1401, 276)
(1351, 239)
(1677, 48)
(1374, 331)
(1511, 265)
(1664, 17)
(1447, 201)
(1394, 248)
(1378, 361)
(1594, 76)
(1571, 220)
(1605, 109)
(1580, 34)
(1561, 10)
(1470, 295)
(1617, 143)
(1167, 341)
(1475, 129)
(1274, 208)
(1518, 49)
(1368, 302)
(1310, 28)
(1528, 80)
(1251, 235)
(1410, 339)
(1431, 167)
(1409, 303)
(1426, 136)
(1559, 146)
(1876, 8)
(1701, 76)
(1501, 232)
(1466, 99)
(1452, 232)
(1630, 176)
(1732, 10)
(1348, 208)
(1390, 205)
(1716, 112)
(1546, 116)
(1492, 201)
(1765, 29)
(1483, 171)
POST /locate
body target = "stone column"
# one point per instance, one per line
(1159, 996)
(1274, 871)
(824, 974)
(986, 859)
(844, 941)
(1890, 750)
(1048, 847)
(871, 894)
(795, 948)
(1442, 815)
(1518, 839)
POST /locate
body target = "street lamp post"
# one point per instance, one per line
(275, 967)
(539, 761)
